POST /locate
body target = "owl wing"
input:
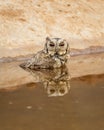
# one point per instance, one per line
(39, 60)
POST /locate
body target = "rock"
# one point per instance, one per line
(25, 24)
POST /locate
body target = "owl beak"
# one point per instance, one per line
(56, 53)
(57, 50)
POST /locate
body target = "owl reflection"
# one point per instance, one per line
(56, 82)
(57, 88)
(54, 55)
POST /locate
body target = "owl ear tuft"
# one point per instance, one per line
(68, 47)
(45, 47)
(47, 39)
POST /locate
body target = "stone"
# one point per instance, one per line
(24, 25)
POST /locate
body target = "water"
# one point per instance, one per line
(57, 101)
(30, 108)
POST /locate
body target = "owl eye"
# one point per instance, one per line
(62, 44)
(52, 44)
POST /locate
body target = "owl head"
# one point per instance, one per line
(57, 46)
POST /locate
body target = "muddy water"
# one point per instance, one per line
(30, 108)
(67, 99)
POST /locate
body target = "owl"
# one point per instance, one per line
(54, 55)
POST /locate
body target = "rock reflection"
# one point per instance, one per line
(56, 82)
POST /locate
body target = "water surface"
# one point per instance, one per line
(30, 108)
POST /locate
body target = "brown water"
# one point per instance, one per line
(52, 100)
(29, 107)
